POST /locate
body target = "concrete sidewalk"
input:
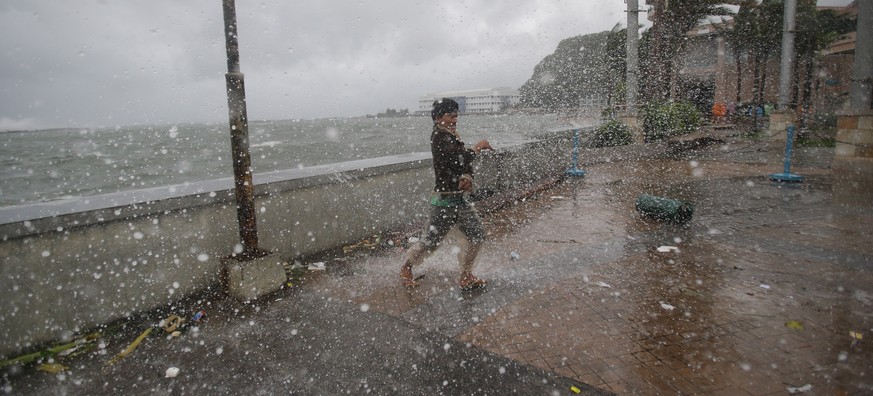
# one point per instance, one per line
(771, 290)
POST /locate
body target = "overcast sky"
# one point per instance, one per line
(78, 63)
(86, 63)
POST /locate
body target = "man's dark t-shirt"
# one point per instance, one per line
(451, 160)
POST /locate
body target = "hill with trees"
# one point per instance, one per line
(584, 66)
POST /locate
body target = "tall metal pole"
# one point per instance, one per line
(632, 58)
(862, 70)
(787, 53)
(239, 137)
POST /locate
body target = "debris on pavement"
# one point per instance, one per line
(514, 255)
(171, 323)
(667, 249)
(575, 389)
(856, 335)
(691, 292)
(172, 372)
(52, 368)
(793, 324)
(366, 244)
(77, 346)
(667, 306)
(802, 389)
(664, 209)
(319, 266)
(603, 284)
(199, 316)
(130, 348)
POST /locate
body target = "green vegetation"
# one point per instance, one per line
(593, 66)
(392, 113)
(803, 141)
(612, 133)
(663, 120)
(587, 66)
(662, 44)
(758, 33)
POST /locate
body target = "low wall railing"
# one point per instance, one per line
(69, 265)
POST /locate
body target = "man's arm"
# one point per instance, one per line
(482, 145)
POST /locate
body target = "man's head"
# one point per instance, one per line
(445, 112)
(443, 106)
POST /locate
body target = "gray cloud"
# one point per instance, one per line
(94, 63)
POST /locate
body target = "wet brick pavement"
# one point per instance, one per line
(763, 295)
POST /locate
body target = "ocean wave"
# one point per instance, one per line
(269, 144)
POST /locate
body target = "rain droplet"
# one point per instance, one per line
(365, 307)
(202, 257)
(332, 134)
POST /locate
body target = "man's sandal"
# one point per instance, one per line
(407, 279)
(472, 283)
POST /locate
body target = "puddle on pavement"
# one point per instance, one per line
(712, 313)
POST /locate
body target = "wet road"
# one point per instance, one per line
(768, 291)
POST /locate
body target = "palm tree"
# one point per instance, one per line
(819, 29)
(738, 39)
(673, 20)
(757, 33)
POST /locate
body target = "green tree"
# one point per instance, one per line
(738, 37)
(667, 39)
(757, 33)
(581, 67)
(818, 30)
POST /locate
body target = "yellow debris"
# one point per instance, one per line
(52, 368)
(793, 324)
(131, 347)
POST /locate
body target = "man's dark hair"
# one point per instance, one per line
(443, 106)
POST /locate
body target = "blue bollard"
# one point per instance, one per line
(574, 171)
(786, 175)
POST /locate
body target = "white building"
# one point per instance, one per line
(493, 100)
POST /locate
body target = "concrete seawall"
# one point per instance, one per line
(69, 265)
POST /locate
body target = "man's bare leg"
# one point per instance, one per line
(417, 254)
(467, 258)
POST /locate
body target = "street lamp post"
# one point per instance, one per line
(239, 138)
(253, 272)
(632, 56)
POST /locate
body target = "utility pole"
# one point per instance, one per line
(787, 53)
(862, 71)
(632, 57)
(239, 138)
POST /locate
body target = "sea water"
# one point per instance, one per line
(47, 165)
